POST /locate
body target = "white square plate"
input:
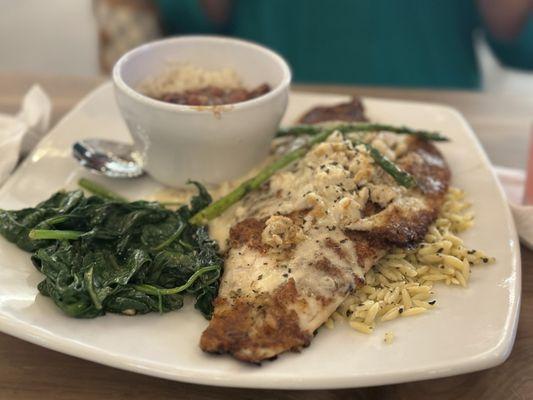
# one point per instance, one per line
(471, 329)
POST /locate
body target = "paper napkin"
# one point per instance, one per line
(513, 182)
(21, 132)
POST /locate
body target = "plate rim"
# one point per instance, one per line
(487, 359)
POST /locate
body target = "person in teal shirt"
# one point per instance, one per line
(416, 43)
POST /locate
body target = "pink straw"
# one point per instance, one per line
(528, 191)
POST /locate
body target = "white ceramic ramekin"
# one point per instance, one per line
(178, 142)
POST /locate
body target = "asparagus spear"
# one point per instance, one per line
(221, 205)
(403, 178)
(362, 127)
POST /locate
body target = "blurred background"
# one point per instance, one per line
(464, 44)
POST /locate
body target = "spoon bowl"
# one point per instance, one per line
(109, 158)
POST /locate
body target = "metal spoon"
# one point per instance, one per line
(109, 158)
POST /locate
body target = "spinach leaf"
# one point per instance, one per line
(122, 257)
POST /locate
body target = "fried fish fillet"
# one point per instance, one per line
(307, 239)
(351, 111)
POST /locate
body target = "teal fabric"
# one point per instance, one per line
(183, 16)
(416, 43)
(519, 52)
